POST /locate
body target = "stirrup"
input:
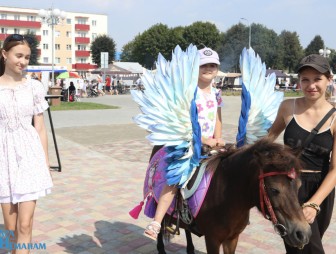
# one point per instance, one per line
(169, 228)
(173, 231)
(152, 230)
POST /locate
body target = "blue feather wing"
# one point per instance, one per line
(260, 102)
(169, 111)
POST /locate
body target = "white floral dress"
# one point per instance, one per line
(207, 105)
(24, 173)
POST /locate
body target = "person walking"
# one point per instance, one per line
(299, 119)
(24, 164)
(108, 85)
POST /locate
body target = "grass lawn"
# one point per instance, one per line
(80, 106)
(289, 93)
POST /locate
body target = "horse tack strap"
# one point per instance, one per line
(291, 174)
(263, 195)
(187, 193)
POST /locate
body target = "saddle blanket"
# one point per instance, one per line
(156, 179)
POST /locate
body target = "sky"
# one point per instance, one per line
(128, 18)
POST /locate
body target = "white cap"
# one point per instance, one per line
(207, 55)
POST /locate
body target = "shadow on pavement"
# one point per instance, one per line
(118, 237)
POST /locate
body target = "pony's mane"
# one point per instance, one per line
(265, 152)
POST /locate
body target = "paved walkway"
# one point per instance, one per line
(104, 157)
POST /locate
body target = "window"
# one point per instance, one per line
(45, 60)
(57, 46)
(81, 21)
(57, 60)
(94, 22)
(31, 18)
(82, 60)
(16, 30)
(68, 21)
(68, 34)
(4, 30)
(69, 60)
(3, 16)
(31, 31)
(68, 46)
(81, 34)
(81, 47)
(94, 35)
(57, 33)
(16, 17)
(45, 32)
(45, 46)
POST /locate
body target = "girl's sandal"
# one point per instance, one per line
(152, 230)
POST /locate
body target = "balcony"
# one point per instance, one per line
(84, 66)
(82, 40)
(82, 27)
(82, 53)
(19, 23)
(4, 36)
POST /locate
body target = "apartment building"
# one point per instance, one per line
(72, 36)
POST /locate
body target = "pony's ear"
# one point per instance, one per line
(260, 156)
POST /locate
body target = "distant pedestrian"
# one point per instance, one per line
(108, 84)
(115, 86)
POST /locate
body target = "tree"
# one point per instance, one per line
(145, 47)
(127, 51)
(34, 48)
(202, 34)
(332, 60)
(231, 44)
(293, 51)
(103, 43)
(266, 44)
(157, 39)
(315, 45)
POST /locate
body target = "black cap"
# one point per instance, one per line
(315, 61)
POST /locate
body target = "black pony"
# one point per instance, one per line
(264, 174)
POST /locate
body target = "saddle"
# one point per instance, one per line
(185, 206)
(182, 210)
(185, 196)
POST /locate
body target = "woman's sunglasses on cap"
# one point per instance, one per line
(18, 37)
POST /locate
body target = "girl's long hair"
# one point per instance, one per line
(7, 45)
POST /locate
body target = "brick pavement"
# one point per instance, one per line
(87, 211)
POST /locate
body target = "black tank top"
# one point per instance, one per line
(317, 155)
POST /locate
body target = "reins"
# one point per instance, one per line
(279, 228)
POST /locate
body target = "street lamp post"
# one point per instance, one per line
(52, 17)
(249, 30)
(324, 52)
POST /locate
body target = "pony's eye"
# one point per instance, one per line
(273, 191)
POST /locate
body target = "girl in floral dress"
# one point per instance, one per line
(24, 165)
(209, 103)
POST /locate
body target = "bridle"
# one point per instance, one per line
(279, 228)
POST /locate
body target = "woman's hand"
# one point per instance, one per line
(309, 213)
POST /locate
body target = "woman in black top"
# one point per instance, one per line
(298, 117)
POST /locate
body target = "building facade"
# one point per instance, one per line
(72, 36)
